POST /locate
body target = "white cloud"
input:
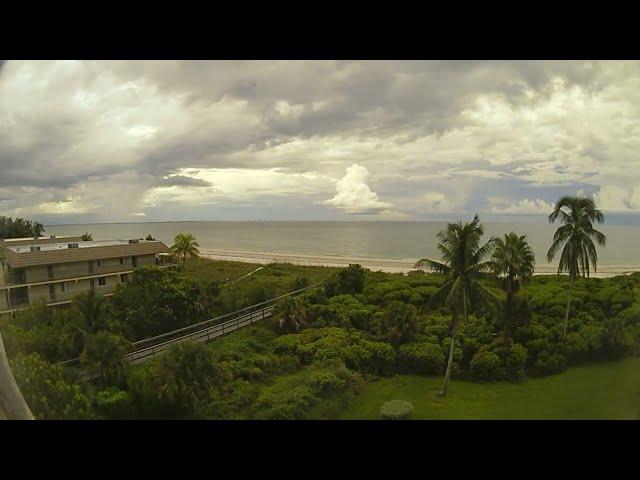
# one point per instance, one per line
(523, 207)
(437, 202)
(618, 199)
(237, 184)
(354, 196)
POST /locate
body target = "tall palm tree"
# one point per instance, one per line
(185, 245)
(463, 259)
(513, 262)
(577, 215)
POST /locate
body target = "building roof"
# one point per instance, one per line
(22, 256)
(10, 242)
(38, 240)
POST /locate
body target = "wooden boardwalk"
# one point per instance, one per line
(201, 332)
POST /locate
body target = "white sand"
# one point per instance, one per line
(376, 264)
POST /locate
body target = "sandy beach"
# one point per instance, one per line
(390, 265)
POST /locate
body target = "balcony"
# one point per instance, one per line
(18, 302)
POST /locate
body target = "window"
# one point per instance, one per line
(102, 281)
(99, 263)
(121, 260)
(123, 278)
(52, 291)
(134, 260)
(50, 272)
(63, 287)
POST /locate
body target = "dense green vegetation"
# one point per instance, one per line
(19, 228)
(383, 330)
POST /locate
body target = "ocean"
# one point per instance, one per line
(388, 240)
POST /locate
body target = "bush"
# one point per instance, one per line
(398, 322)
(113, 403)
(500, 361)
(424, 358)
(334, 343)
(486, 365)
(548, 364)
(48, 390)
(349, 280)
(371, 357)
(396, 410)
(316, 391)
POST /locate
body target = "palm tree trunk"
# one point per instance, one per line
(507, 317)
(447, 375)
(454, 328)
(184, 261)
(566, 315)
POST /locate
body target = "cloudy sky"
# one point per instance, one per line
(318, 140)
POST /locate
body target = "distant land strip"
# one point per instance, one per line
(389, 265)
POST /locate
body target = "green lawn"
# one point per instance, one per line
(602, 391)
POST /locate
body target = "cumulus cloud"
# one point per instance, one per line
(437, 202)
(618, 199)
(523, 207)
(234, 184)
(354, 196)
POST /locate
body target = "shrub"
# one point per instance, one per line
(299, 283)
(423, 358)
(348, 280)
(396, 410)
(48, 390)
(314, 391)
(514, 357)
(371, 357)
(486, 365)
(548, 364)
(356, 352)
(113, 403)
(398, 322)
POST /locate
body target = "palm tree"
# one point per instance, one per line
(291, 314)
(576, 234)
(91, 307)
(185, 245)
(463, 259)
(103, 354)
(513, 262)
(86, 237)
(399, 322)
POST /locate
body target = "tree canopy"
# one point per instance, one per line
(19, 228)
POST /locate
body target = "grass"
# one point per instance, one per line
(600, 391)
(280, 275)
(217, 270)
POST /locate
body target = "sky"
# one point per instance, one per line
(119, 141)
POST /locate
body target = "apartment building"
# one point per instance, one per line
(57, 269)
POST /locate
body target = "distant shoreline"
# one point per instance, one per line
(388, 265)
